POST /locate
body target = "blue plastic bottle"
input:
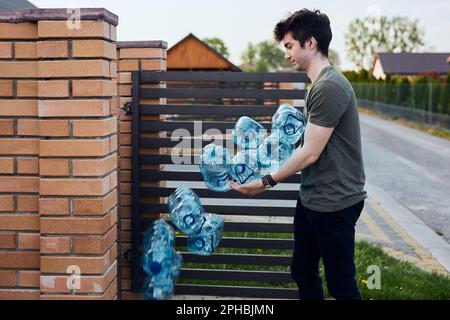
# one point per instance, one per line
(215, 164)
(160, 263)
(159, 229)
(206, 241)
(186, 210)
(289, 122)
(246, 167)
(247, 133)
(273, 152)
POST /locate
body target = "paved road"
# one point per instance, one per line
(413, 167)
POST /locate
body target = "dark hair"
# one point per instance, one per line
(305, 24)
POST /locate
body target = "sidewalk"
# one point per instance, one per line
(400, 233)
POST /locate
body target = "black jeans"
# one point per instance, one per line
(330, 236)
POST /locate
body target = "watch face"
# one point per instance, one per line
(267, 187)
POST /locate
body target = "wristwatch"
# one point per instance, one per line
(268, 182)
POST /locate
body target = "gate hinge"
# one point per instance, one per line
(127, 108)
(128, 255)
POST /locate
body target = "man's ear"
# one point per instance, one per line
(311, 43)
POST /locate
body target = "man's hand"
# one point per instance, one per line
(251, 189)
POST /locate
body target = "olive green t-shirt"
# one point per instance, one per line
(336, 180)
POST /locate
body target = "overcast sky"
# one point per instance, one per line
(238, 22)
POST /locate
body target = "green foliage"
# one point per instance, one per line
(264, 56)
(365, 37)
(219, 45)
(333, 58)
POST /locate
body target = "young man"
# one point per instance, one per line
(332, 190)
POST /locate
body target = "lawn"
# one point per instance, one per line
(399, 279)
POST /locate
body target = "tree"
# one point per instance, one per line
(365, 37)
(219, 45)
(263, 57)
(333, 57)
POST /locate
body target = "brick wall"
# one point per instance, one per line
(58, 155)
(133, 56)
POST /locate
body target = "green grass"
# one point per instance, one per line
(399, 279)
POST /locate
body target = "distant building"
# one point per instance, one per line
(410, 64)
(191, 53)
(14, 5)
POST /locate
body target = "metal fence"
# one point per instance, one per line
(427, 103)
(254, 256)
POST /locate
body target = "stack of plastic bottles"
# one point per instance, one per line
(215, 165)
(258, 155)
(204, 230)
(160, 262)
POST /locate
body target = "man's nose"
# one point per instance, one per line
(286, 56)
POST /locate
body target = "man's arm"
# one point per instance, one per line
(316, 138)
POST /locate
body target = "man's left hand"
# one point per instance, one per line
(251, 189)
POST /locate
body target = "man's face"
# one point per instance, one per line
(297, 55)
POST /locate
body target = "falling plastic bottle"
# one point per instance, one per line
(160, 263)
(207, 240)
(186, 210)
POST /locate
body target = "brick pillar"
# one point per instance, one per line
(78, 156)
(19, 171)
(60, 151)
(133, 56)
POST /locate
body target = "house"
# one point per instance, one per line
(410, 64)
(191, 53)
(8, 5)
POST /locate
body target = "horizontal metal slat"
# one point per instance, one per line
(151, 77)
(149, 208)
(152, 93)
(246, 226)
(157, 175)
(239, 259)
(232, 194)
(168, 143)
(236, 291)
(236, 275)
(248, 243)
(218, 110)
(197, 127)
(161, 142)
(168, 159)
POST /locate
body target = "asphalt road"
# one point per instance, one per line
(412, 166)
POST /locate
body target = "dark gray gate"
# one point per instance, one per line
(255, 254)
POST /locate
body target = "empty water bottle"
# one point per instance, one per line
(186, 210)
(289, 122)
(159, 261)
(215, 164)
(159, 282)
(246, 167)
(151, 291)
(247, 133)
(159, 230)
(273, 152)
(207, 240)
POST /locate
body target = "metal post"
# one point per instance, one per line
(135, 225)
